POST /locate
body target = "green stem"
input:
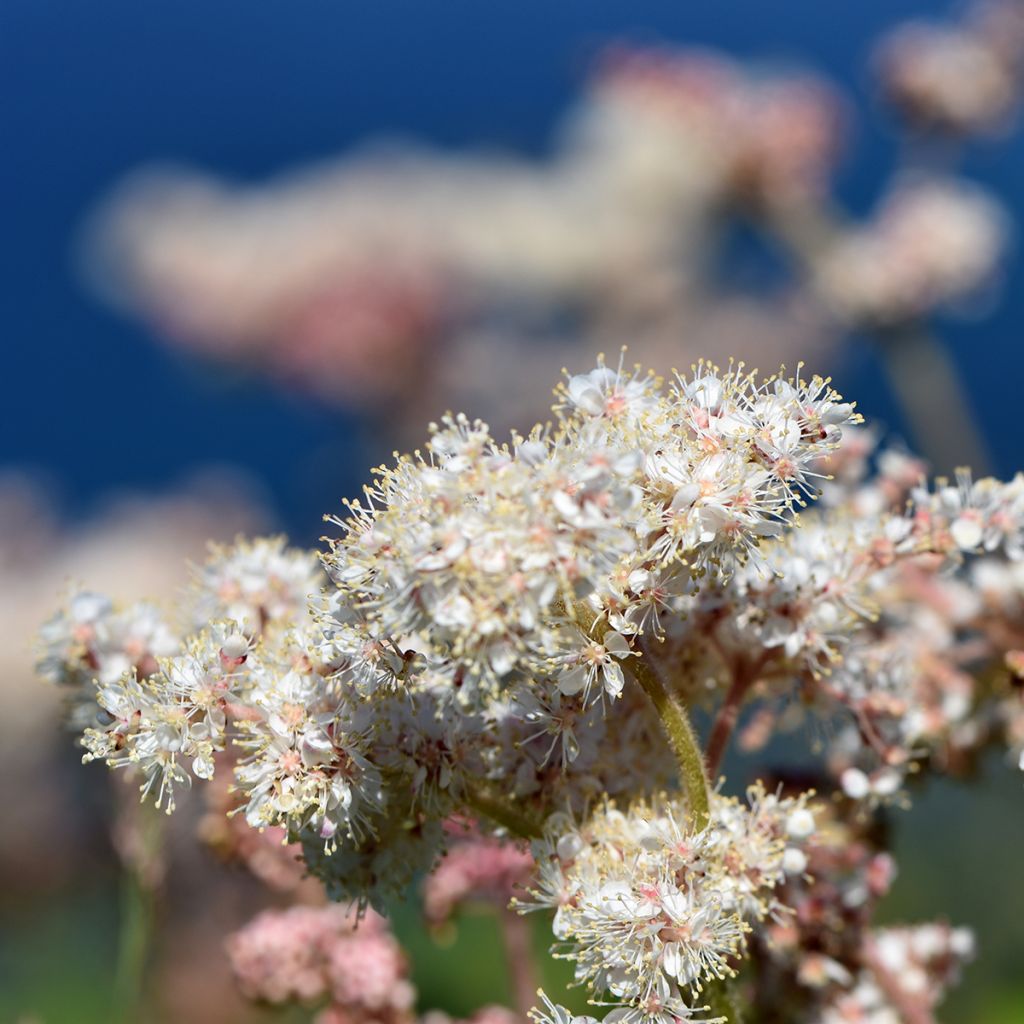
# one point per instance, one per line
(681, 738)
(137, 916)
(722, 1002)
(501, 813)
(138, 837)
(674, 721)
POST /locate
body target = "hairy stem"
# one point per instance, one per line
(681, 737)
(501, 813)
(674, 720)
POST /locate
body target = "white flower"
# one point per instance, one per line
(554, 1014)
(596, 665)
(605, 392)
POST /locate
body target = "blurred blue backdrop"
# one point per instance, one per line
(244, 90)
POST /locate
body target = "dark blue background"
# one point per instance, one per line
(89, 89)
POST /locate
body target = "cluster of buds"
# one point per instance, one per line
(476, 869)
(514, 633)
(349, 967)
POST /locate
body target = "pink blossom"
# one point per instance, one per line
(307, 953)
(479, 868)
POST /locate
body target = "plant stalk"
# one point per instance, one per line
(681, 737)
(137, 908)
(501, 813)
(138, 837)
(726, 719)
(516, 933)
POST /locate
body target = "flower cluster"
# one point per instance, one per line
(954, 78)
(909, 970)
(513, 633)
(348, 278)
(930, 244)
(309, 954)
(875, 609)
(652, 910)
(485, 601)
(255, 585)
(828, 955)
(147, 698)
(91, 639)
(477, 868)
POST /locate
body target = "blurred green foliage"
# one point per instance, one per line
(959, 850)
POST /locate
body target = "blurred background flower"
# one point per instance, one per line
(279, 242)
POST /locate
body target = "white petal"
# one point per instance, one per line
(570, 683)
(966, 532)
(614, 680)
(615, 643)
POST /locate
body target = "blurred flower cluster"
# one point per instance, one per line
(931, 243)
(402, 277)
(956, 78)
(361, 278)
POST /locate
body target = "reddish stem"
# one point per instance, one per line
(743, 677)
(869, 734)
(515, 930)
